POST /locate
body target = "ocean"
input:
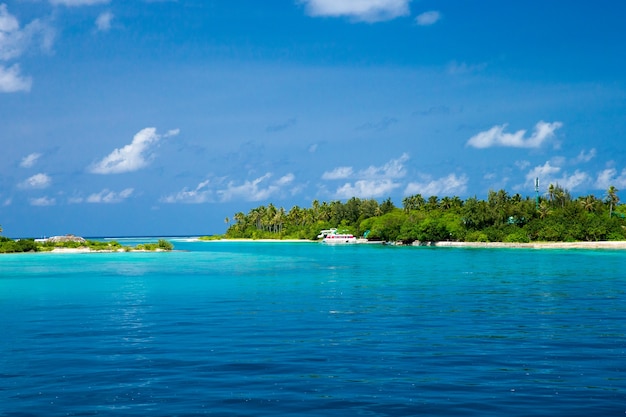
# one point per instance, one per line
(304, 329)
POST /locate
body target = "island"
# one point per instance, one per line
(72, 243)
(505, 219)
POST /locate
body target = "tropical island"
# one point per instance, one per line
(504, 218)
(71, 243)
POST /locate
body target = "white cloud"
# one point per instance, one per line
(359, 10)
(374, 181)
(30, 160)
(286, 179)
(73, 3)
(42, 201)
(255, 190)
(392, 169)
(338, 173)
(449, 185)
(8, 22)
(428, 18)
(14, 41)
(545, 172)
(109, 197)
(585, 156)
(609, 177)
(552, 173)
(200, 194)
(497, 137)
(37, 181)
(131, 157)
(11, 81)
(367, 189)
(103, 22)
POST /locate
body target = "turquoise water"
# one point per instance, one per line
(254, 329)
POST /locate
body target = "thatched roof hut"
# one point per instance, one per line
(66, 238)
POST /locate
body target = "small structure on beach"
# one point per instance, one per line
(66, 238)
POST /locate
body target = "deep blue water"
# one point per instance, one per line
(266, 329)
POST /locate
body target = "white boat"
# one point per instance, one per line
(331, 237)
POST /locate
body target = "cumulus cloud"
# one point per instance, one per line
(338, 173)
(392, 169)
(428, 18)
(37, 181)
(497, 137)
(12, 81)
(14, 41)
(73, 3)
(371, 182)
(552, 173)
(448, 185)
(359, 10)
(42, 201)
(585, 156)
(103, 22)
(367, 189)
(109, 197)
(30, 160)
(131, 157)
(256, 190)
(609, 177)
(200, 194)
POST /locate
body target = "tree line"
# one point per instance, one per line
(502, 217)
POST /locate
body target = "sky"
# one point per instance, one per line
(156, 117)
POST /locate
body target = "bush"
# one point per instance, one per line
(476, 236)
(165, 245)
(517, 237)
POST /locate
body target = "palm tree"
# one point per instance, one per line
(612, 198)
(433, 202)
(544, 210)
(588, 203)
(446, 203)
(240, 217)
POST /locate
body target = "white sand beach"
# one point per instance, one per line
(538, 245)
(533, 245)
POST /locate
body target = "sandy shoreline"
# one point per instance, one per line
(88, 250)
(613, 245)
(538, 245)
(533, 245)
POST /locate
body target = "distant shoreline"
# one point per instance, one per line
(445, 244)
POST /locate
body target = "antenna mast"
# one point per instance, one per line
(537, 193)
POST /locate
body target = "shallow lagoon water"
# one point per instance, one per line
(253, 329)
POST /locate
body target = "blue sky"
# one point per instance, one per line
(164, 117)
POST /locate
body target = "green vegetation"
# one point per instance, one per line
(500, 218)
(29, 245)
(162, 244)
(12, 246)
